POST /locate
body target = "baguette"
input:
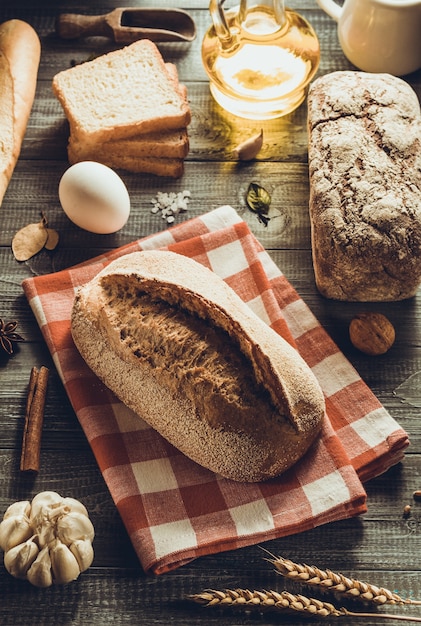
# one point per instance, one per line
(20, 52)
(177, 345)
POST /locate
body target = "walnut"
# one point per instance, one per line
(371, 333)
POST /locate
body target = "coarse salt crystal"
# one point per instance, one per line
(170, 204)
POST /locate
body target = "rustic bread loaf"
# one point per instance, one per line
(365, 186)
(176, 344)
(20, 51)
(121, 94)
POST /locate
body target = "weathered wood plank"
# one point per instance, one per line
(29, 193)
(381, 546)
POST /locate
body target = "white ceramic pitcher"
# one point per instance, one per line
(379, 35)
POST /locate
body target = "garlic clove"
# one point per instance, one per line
(83, 552)
(45, 507)
(39, 574)
(19, 559)
(14, 530)
(23, 507)
(74, 526)
(64, 564)
(75, 505)
(248, 149)
(43, 501)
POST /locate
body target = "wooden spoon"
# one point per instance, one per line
(128, 25)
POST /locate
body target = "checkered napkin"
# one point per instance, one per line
(173, 509)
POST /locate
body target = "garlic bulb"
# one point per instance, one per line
(47, 541)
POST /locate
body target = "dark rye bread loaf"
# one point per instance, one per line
(365, 186)
(175, 343)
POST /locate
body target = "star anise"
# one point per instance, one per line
(8, 336)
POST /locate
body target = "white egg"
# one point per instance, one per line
(94, 197)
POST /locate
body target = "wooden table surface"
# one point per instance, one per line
(382, 546)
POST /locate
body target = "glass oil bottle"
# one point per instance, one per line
(260, 58)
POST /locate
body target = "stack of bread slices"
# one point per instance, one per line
(128, 110)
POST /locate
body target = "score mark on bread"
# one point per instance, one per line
(177, 345)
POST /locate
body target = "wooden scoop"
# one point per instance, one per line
(128, 25)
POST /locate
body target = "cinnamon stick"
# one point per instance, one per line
(34, 418)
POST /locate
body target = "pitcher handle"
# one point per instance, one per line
(331, 8)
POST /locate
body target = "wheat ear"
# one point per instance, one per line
(338, 583)
(282, 601)
(265, 600)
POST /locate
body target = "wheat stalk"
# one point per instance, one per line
(282, 601)
(338, 583)
(265, 600)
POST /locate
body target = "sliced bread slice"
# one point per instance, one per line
(121, 94)
(173, 168)
(172, 144)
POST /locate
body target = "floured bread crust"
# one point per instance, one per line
(20, 52)
(365, 186)
(180, 348)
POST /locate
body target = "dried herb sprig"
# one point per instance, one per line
(337, 583)
(282, 601)
(258, 200)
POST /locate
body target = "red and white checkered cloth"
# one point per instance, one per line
(173, 509)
